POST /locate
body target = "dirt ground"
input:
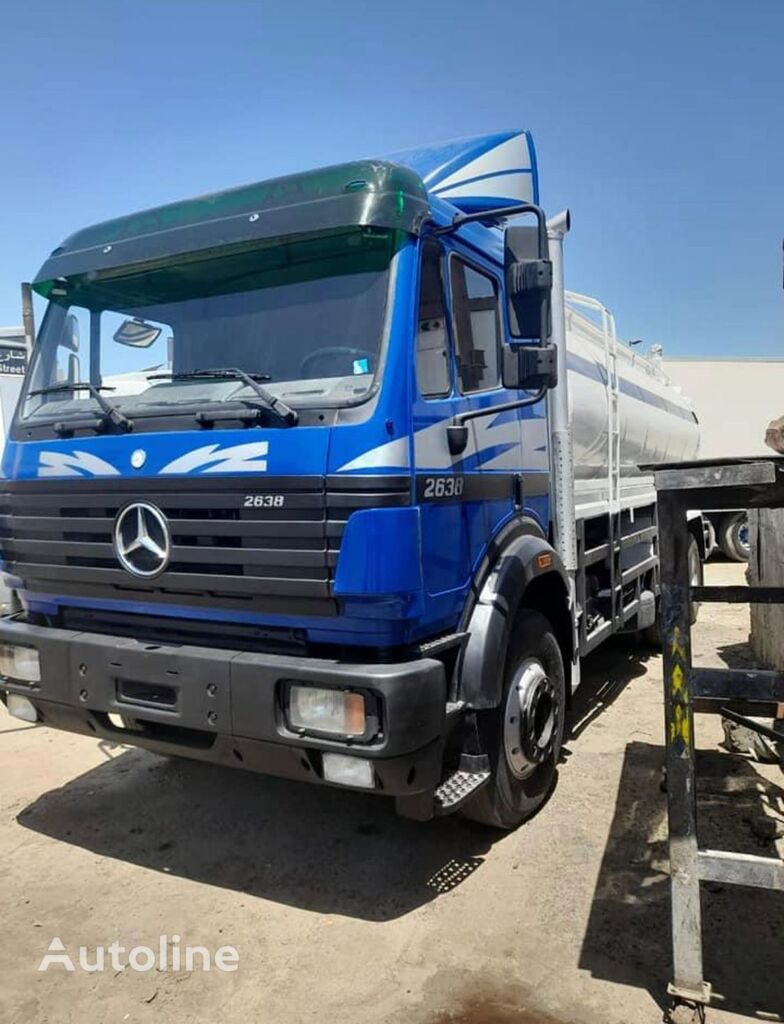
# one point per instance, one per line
(342, 912)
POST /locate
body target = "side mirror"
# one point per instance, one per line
(530, 367)
(529, 282)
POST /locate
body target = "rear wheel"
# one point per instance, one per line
(523, 735)
(734, 537)
(695, 576)
(652, 634)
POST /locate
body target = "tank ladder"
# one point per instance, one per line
(613, 462)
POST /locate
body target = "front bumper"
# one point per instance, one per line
(224, 706)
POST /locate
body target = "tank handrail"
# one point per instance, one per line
(585, 300)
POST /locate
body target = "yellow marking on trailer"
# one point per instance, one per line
(677, 647)
(679, 725)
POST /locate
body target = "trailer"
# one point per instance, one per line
(329, 477)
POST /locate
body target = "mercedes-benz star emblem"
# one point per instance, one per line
(142, 540)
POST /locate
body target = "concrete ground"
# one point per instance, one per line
(342, 912)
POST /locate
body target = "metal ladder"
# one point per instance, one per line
(613, 461)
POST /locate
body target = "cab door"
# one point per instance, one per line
(493, 461)
(447, 537)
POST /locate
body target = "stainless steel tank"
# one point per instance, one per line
(656, 422)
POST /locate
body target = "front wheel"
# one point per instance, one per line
(523, 735)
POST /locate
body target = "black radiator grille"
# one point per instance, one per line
(57, 536)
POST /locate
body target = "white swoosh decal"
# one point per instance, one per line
(240, 458)
(76, 463)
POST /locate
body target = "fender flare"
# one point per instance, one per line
(517, 557)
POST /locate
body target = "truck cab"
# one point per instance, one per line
(277, 491)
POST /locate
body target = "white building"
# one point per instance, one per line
(734, 400)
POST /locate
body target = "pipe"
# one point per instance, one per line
(561, 450)
(558, 406)
(28, 316)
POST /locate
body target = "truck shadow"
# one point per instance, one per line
(605, 675)
(312, 847)
(304, 846)
(627, 939)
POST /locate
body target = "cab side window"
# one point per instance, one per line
(477, 327)
(432, 348)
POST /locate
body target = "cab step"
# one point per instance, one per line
(430, 648)
(473, 773)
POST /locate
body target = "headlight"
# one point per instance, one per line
(340, 712)
(20, 663)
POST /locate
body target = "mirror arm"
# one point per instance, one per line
(500, 214)
(519, 403)
(457, 431)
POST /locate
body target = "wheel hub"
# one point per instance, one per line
(743, 539)
(531, 718)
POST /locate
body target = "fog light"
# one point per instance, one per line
(20, 663)
(21, 707)
(348, 771)
(320, 710)
(119, 721)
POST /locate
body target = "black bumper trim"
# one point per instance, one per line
(226, 706)
(404, 775)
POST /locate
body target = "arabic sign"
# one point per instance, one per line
(13, 360)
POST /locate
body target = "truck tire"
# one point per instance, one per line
(734, 537)
(696, 576)
(711, 544)
(523, 735)
(652, 635)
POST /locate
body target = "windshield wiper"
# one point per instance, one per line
(111, 412)
(251, 380)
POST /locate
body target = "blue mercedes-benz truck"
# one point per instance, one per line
(290, 486)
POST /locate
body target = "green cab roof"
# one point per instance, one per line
(365, 193)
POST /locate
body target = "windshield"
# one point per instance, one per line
(307, 318)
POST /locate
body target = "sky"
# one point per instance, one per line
(659, 124)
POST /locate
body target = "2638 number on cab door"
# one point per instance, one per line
(440, 488)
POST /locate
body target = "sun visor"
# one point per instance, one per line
(367, 193)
